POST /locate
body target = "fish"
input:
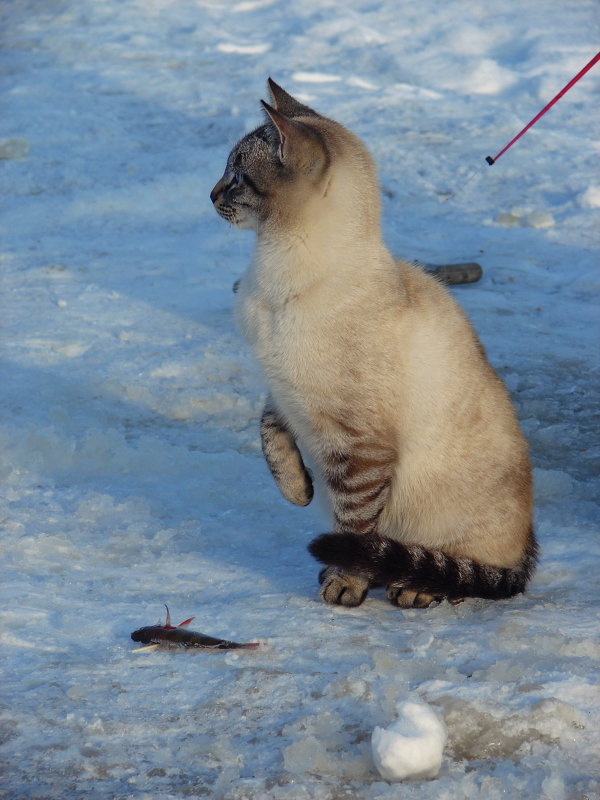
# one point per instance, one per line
(173, 636)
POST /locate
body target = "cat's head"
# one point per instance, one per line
(275, 172)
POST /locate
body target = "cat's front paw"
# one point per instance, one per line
(341, 589)
(296, 486)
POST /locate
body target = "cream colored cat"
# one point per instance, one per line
(376, 377)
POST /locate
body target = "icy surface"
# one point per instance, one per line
(412, 746)
(130, 466)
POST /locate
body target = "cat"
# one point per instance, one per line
(376, 378)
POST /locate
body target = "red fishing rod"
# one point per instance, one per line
(554, 100)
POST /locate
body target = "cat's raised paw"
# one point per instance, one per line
(296, 486)
(340, 589)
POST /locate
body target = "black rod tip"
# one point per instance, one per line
(490, 160)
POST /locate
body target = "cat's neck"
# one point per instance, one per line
(337, 239)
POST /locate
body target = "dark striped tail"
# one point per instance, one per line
(386, 561)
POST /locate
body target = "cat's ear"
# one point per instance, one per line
(287, 129)
(287, 104)
(300, 146)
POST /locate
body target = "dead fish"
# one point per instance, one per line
(168, 635)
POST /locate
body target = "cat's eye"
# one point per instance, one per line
(249, 182)
(236, 181)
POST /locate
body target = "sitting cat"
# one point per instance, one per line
(375, 376)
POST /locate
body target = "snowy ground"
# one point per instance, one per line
(130, 463)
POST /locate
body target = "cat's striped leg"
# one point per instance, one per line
(359, 483)
(414, 574)
(284, 459)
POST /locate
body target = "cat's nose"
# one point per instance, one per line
(216, 191)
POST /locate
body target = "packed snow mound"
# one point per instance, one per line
(412, 746)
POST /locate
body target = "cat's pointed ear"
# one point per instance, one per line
(287, 130)
(287, 104)
(300, 146)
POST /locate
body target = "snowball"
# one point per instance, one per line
(412, 746)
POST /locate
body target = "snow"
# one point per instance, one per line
(591, 197)
(412, 746)
(131, 471)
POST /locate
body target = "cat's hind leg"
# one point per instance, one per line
(411, 569)
(284, 459)
(358, 479)
(408, 598)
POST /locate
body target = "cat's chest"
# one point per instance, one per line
(287, 337)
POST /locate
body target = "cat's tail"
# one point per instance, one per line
(387, 561)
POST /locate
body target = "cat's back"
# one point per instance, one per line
(436, 369)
